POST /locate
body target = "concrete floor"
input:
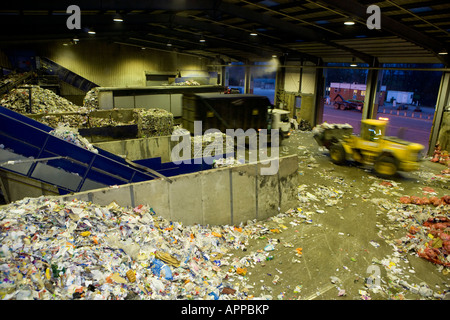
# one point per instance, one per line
(338, 241)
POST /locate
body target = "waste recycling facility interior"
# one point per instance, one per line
(190, 151)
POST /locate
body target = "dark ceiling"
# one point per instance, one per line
(412, 31)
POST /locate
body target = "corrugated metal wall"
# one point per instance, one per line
(4, 61)
(115, 65)
(292, 80)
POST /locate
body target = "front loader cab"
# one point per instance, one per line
(373, 130)
(372, 148)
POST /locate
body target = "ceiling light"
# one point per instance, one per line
(118, 17)
(253, 34)
(202, 39)
(353, 65)
(91, 31)
(274, 56)
(76, 39)
(443, 52)
(169, 44)
(349, 23)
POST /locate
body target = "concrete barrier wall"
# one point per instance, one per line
(215, 197)
(137, 149)
(15, 187)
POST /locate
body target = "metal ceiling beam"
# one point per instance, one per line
(186, 40)
(289, 28)
(170, 5)
(389, 7)
(393, 26)
(177, 5)
(44, 25)
(208, 6)
(241, 36)
(154, 45)
(190, 40)
(146, 42)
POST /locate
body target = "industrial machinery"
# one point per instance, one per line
(387, 154)
(233, 111)
(347, 104)
(35, 162)
(280, 120)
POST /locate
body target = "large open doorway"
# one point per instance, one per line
(261, 78)
(345, 91)
(409, 101)
(407, 95)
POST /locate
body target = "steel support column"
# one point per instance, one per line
(248, 75)
(279, 81)
(319, 89)
(373, 86)
(443, 101)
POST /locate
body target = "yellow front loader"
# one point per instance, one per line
(387, 154)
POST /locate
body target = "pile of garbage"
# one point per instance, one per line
(428, 232)
(153, 122)
(71, 120)
(433, 200)
(90, 100)
(226, 162)
(186, 83)
(212, 141)
(321, 128)
(442, 157)
(326, 133)
(72, 135)
(81, 120)
(209, 142)
(42, 101)
(304, 125)
(58, 250)
(180, 131)
(12, 77)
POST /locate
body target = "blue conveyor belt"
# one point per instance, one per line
(69, 167)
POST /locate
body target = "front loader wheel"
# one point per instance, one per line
(337, 153)
(386, 166)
